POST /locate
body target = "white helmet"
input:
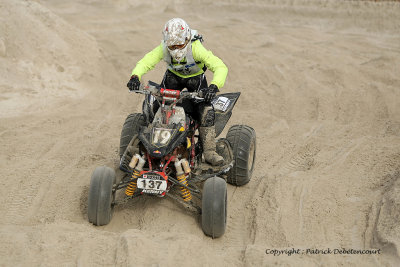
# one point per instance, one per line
(176, 37)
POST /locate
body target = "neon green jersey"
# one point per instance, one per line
(201, 55)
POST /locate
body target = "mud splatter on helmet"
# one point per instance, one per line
(176, 38)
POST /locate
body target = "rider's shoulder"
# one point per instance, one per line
(198, 46)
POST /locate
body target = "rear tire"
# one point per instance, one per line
(129, 129)
(101, 196)
(214, 207)
(243, 142)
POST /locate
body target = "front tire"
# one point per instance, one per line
(214, 207)
(242, 139)
(101, 196)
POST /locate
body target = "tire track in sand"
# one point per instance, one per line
(43, 186)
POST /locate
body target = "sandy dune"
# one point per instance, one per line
(320, 85)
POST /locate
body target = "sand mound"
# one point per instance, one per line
(43, 58)
(387, 226)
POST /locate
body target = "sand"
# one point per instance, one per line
(320, 85)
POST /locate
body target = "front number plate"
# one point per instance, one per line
(152, 186)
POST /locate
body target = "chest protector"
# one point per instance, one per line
(185, 68)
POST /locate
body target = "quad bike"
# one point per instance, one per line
(160, 155)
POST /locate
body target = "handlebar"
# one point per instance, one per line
(161, 92)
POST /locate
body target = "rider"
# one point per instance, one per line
(187, 60)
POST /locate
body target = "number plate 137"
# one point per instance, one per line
(150, 184)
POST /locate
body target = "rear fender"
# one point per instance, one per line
(223, 105)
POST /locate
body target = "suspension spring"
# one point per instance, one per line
(186, 195)
(131, 188)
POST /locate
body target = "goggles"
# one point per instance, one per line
(180, 46)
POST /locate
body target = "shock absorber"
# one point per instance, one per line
(185, 166)
(136, 164)
(131, 188)
(180, 175)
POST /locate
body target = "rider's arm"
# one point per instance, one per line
(213, 63)
(148, 62)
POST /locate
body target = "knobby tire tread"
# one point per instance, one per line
(241, 137)
(129, 129)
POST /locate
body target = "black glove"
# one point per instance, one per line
(133, 83)
(209, 93)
